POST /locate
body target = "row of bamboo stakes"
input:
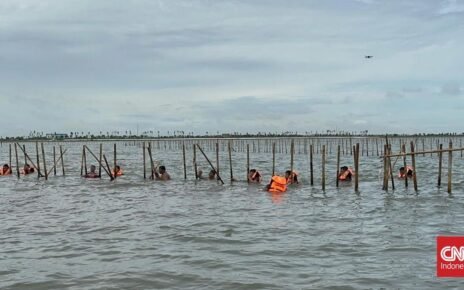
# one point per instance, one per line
(356, 151)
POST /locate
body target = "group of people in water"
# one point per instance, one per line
(277, 183)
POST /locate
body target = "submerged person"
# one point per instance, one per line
(162, 174)
(27, 169)
(291, 176)
(117, 169)
(345, 174)
(408, 172)
(254, 176)
(277, 184)
(92, 173)
(5, 170)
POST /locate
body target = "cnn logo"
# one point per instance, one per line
(450, 256)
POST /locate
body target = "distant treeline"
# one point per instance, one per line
(213, 136)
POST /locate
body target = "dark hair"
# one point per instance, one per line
(401, 168)
(288, 172)
(344, 168)
(162, 167)
(31, 170)
(252, 170)
(6, 165)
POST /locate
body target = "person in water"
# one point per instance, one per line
(291, 176)
(278, 184)
(254, 176)
(5, 170)
(92, 173)
(117, 169)
(162, 174)
(27, 169)
(408, 172)
(345, 174)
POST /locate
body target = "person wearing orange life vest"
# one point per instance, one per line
(291, 176)
(118, 171)
(345, 174)
(5, 170)
(277, 184)
(254, 176)
(408, 172)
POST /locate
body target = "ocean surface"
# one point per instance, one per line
(131, 233)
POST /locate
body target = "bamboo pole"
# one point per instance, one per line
(405, 165)
(38, 159)
(338, 165)
(273, 158)
(391, 168)
(212, 166)
(85, 160)
(108, 168)
(195, 160)
(44, 162)
(385, 170)
(17, 161)
(101, 161)
(248, 163)
(185, 162)
(450, 165)
(10, 159)
(217, 158)
(82, 161)
(440, 161)
(426, 152)
(414, 175)
(62, 160)
(311, 172)
(356, 169)
(54, 161)
(292, 152)
(229, 148)
(115, 159)
(144, 161)
(152, 166)
(323, 167)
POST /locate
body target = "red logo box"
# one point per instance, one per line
(450, 256)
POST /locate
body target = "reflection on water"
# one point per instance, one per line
(72, 233)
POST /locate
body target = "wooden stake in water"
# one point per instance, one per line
(115, 160)
(211, 164)
(273, 158)
(248, 163)
(403, 147)
(82, 161)
(391, 167)
(440, 161)
(101, 161)
(38, 159)
(292, 152)
(414, 171)
(217, 159)
(195, 160)
(108, 168)
(85, 160)
(311, 173)
(356, 169)
(10, 159)
(62, 160)
(323, 167)
(17, 161)
(185, 162)
(44, 162)
(385, 170)
(450, 165)
(230, 161)
(338, 165)
(54, 161)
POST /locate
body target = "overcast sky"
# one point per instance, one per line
(242, 65)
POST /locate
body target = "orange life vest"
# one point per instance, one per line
(344, 175)
(278, 184)
(408, 168)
